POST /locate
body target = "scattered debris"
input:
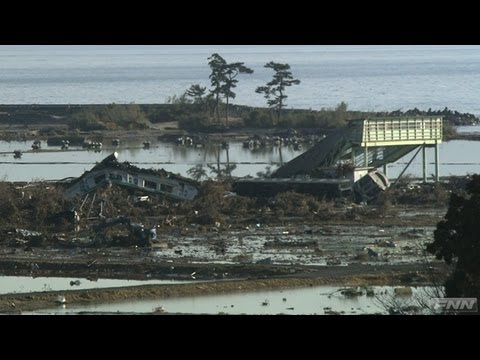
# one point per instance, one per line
(333, 262)
(243, 258)
(159, 310)
(37, 144)
(370, 292)
(371, 253)
(386, 243)
(91, 263)
(61, 299)
(92, 145)
(369, 187)
(352, 292)
(137, 233)
(403, 291)
(331, 312)
(266, 261)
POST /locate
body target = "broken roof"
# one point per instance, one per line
(111, 162)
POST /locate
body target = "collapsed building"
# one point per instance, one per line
(111, 172)
(347, 160)
(103, 227)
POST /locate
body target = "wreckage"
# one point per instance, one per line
(347, 160)
(111, 172)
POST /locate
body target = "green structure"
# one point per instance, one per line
(371, 143)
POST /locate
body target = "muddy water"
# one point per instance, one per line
(304, 301)
(24, 284)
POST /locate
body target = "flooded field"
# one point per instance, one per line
(26, 284)
(51, 163)
(318, 300)
(457, 157)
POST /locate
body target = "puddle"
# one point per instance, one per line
(318, 300)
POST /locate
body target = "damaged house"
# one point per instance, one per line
(110, 171)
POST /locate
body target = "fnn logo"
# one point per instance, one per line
(455, 305)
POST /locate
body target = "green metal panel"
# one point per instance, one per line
(402, 131)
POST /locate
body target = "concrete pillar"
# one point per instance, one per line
(437, 162)
(366, 157)
(385, 168)
(424, 156)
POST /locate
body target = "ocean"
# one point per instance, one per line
(368, 78)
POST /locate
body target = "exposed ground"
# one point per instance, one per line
(289, 241)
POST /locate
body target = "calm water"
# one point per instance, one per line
(457, 157)
(470, 129)
(73, 162)
(26, 284)
(303, 301)
(366, 77)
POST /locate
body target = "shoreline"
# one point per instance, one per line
(36, 121)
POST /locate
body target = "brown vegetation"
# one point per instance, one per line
(42, 207)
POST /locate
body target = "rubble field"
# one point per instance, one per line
(220, 237)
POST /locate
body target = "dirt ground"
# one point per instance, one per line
(296, 253)
(239, 245)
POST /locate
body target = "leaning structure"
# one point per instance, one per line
(365, 145)
(111, 171)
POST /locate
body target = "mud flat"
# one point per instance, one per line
(257, 258)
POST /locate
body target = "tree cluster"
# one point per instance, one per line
(224, 80)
